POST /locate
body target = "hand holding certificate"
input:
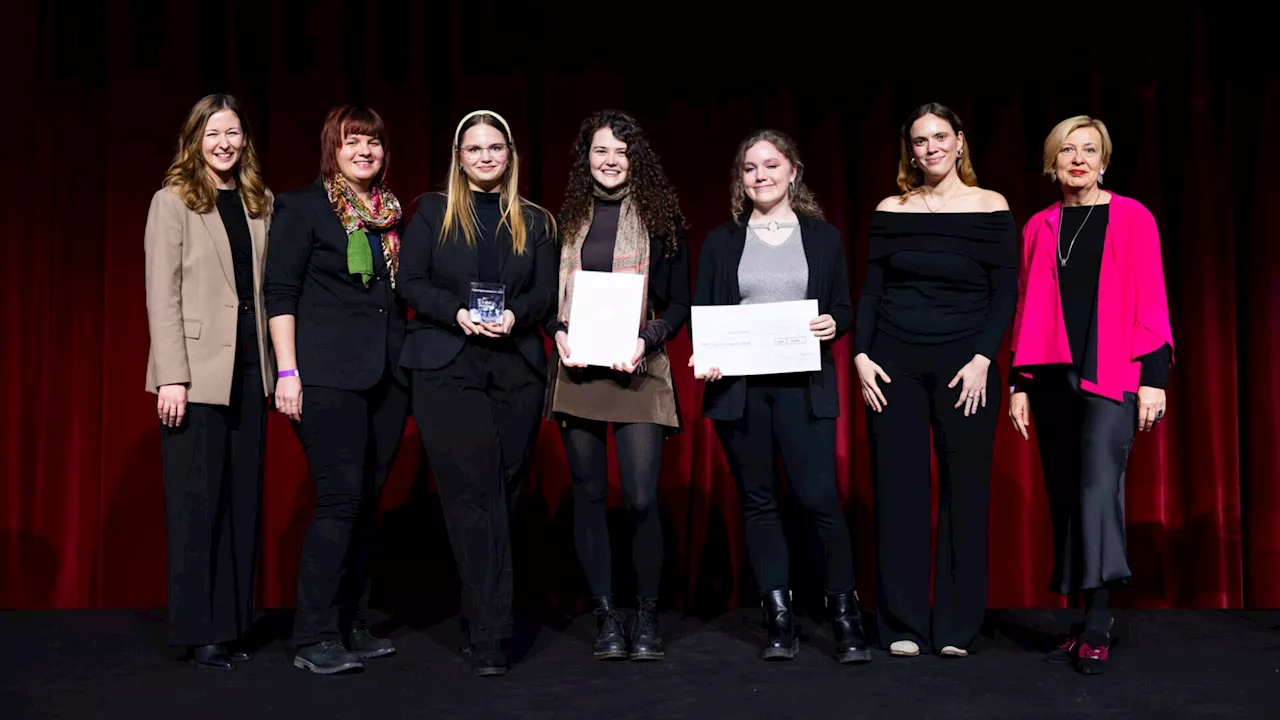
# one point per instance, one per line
(761, 339)
(604, 321)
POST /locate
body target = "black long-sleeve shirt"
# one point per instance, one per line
(940, 278)
(231, 211)
(668, 276)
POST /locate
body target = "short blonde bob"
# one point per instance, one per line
(1058, 137)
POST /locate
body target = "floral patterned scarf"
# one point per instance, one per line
(355, 216)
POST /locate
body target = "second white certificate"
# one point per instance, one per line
(758, 339)
(604, 320)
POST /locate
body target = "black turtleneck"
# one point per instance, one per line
(597, 246)
(488, 252)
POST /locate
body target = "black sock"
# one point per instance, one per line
(1097, 617)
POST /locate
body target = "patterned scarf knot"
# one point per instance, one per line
(357, 218)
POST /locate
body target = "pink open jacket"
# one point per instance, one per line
(1132, 311)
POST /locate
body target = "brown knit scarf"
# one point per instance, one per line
(630, 250)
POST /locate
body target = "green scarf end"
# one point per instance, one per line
(360, 256)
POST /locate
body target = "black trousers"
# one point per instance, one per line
(212, 466)
(639, 448)
(776, 419)
(1084, 443)
(479, 418)
(919, 401)
(351, 439)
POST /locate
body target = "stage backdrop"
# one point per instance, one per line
(100, 90)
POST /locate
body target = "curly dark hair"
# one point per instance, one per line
(654, 196)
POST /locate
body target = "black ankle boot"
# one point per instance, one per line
(783, 643)
(846, 626)
(610, 643)
(646, 643)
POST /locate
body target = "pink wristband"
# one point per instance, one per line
(287, 373)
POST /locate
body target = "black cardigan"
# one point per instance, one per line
(717, 284)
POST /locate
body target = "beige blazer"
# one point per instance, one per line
(192, 303)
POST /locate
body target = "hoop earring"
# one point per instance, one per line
(913, 162)
(791, 187)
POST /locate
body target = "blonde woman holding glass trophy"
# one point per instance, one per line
(478, 265)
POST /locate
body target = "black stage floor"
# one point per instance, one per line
(114, 664)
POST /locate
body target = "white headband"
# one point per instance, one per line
(458, 132)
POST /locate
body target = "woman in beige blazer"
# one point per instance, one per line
(212, 370)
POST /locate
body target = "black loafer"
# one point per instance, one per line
(213, 657)
(238, 652)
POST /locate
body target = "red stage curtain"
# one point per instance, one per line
(101, 89)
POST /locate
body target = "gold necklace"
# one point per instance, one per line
(925, 196)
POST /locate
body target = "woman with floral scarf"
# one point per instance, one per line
(338, 325)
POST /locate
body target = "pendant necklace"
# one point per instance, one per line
(772, 225)
(925, 196)
(1062, 261)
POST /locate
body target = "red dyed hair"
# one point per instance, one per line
(343, 122)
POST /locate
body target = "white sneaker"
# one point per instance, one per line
(904, 648)
(951, 651)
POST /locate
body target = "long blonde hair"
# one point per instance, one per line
(460, 208)
(189, 175)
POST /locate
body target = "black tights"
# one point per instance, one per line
(639, 448)
(1097, 610)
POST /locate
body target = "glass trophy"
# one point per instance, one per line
(488, 301)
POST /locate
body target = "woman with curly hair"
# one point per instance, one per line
(620, 215)
(778, 248)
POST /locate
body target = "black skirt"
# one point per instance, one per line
(1084, 441)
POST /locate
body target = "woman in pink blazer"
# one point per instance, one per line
(1092, 348)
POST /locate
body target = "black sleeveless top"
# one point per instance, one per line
(938, 278)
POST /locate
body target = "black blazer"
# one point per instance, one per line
(717, 284)
(346, 335)
(435, 278)
(668, 288)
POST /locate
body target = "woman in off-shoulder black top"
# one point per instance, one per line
(940, 290)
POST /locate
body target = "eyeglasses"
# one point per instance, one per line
(473, 151)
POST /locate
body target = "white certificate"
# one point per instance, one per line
(604, 320)
(756, 339)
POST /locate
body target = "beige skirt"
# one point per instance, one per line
(599, 393)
